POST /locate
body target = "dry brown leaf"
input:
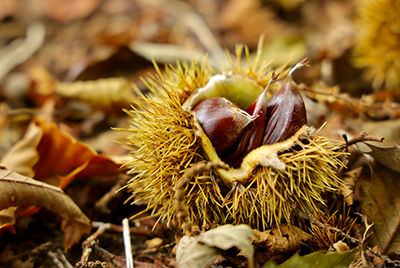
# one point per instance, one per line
(387, 156)
(381, 204)
(349, 182)
(23, 155)
(197, 252)
(61, 154)
(18, 190)
(46, 153)
(109, 94)
(53, 157)
(284, 239)
(390, 129)
(191, 254)
(105, 94)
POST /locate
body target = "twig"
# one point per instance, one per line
(146, 231)
(55, 260)
(63, 259)
(127, 243)
(396, 263)
(101, 204)
(35, 251)
(90, 241)
(363, 136)
(117, 260)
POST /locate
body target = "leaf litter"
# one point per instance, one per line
(94, 48)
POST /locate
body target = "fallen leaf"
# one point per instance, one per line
(229, 236)
(390, 129)
(381, 205)
(387, 156)
(23, 155)
(17, 190)
(49, 155)
(282, 240)
(317, 259)
(192, 254)
(201, 250)
(111, 94)
(61, 154)
(349, 182)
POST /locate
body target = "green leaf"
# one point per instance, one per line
(317, 259)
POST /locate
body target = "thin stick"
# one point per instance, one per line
(364, 137)
(55, 260)
(102, 203)
(117, 260)
(127, 243)
(88, 243)
(63, 259)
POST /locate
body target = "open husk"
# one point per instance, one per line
(167, 141)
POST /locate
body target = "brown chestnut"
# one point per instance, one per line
(222, 121)
(286, 110)
(235, 132)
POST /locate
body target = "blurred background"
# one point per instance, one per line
(84, 55)
(74, 62)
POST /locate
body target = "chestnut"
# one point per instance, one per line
(235, 132)
(222, 121)
(286, 110)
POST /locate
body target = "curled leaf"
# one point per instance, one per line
(200, 251)
(17, 190)
(107, 93)
(349, 182)
(50, 155)
(191, 254)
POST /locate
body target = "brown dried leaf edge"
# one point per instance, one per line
(18, 190)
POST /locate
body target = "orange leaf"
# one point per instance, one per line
(60, 154)
(47, 154)
(18, 190)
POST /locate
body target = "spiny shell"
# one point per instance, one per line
(166, 141)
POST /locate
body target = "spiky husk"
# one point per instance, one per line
(378, 41)
(165, 145)
(311, 169)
